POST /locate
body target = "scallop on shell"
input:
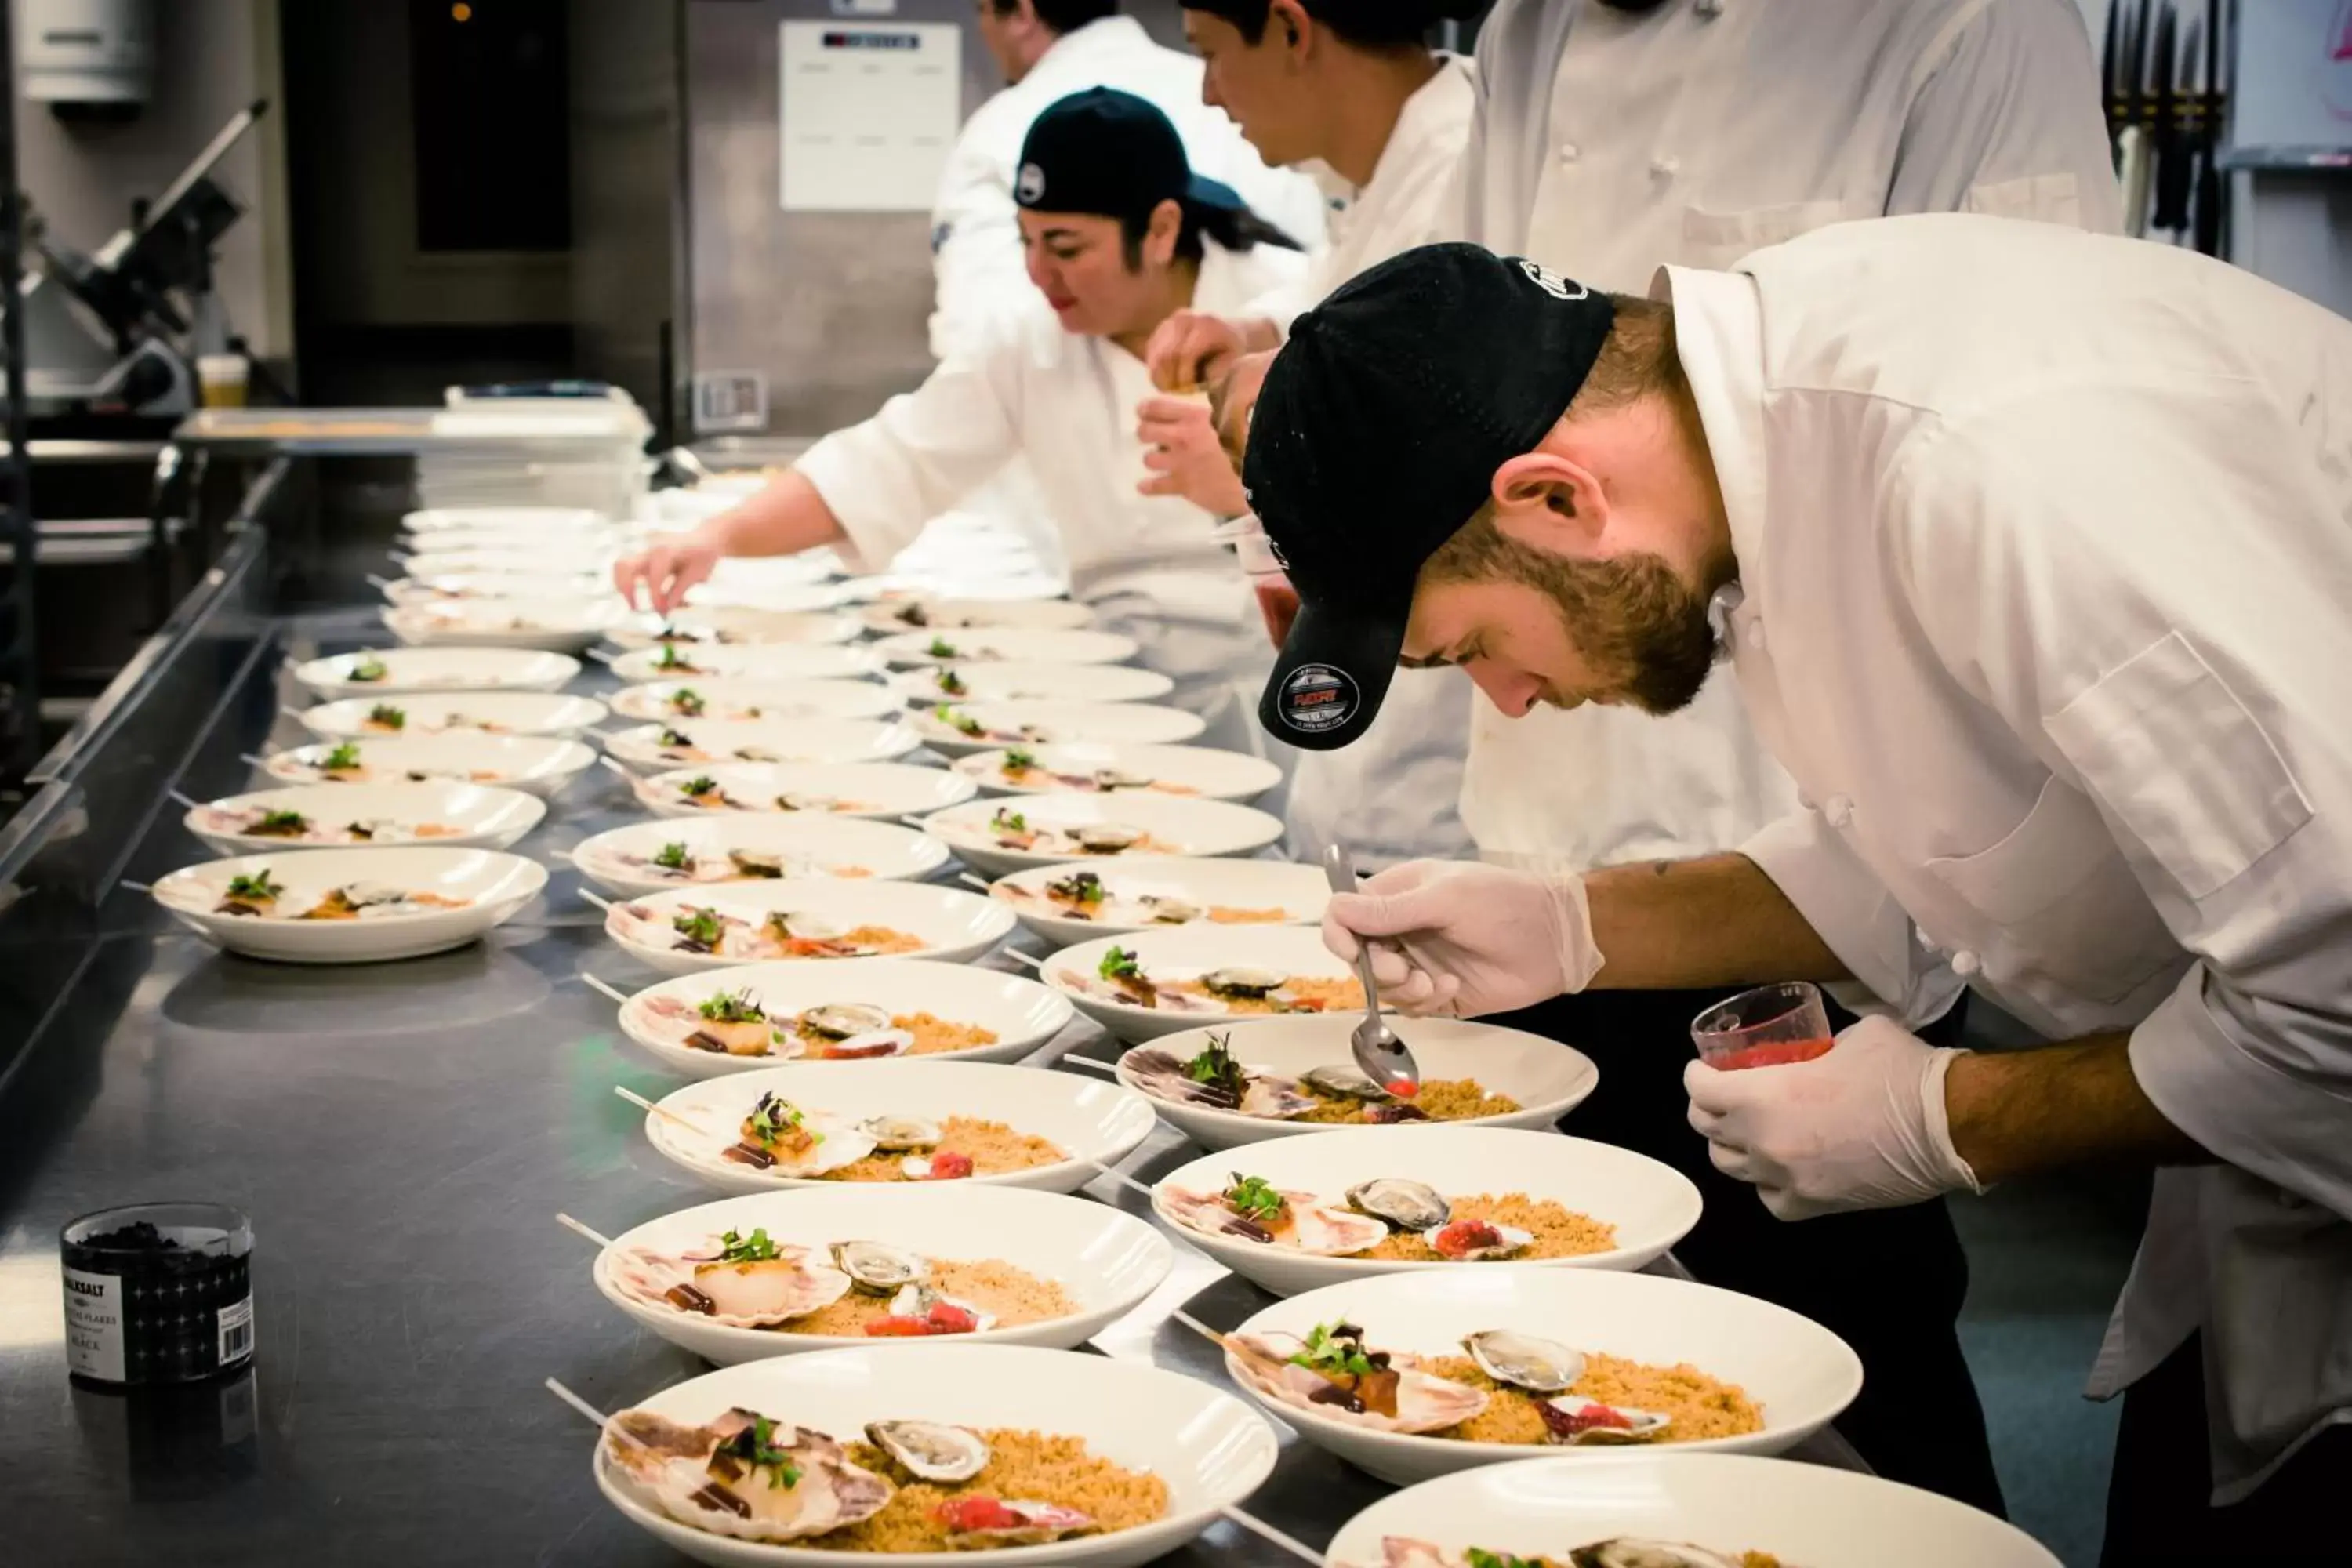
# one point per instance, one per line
(932, 1450)
(706, 1476)
(878, 1269)
(758, 1294)
(1425, 1401)
(1525, 1361)
(1408, 1205)
(840, 1020)
(1311, 1227)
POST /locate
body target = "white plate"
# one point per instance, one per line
(1010, 682)
(742, 699)
(766, 574)
(921, 650)
(564, 626)
(767, 740)
(497, 885)
(439, 669)
(1105, 1259)
(821, 845)
(553, 523)
(1809, 1516)
(461, 712)
(1799, 1373)
(954, 926)
(765, 661)
(1211, 1448)
(1185, 955)
(536, 764)
(1087, 1119)
(1299, 892)
(485, 818)
(1202, 773)
(467, 585)
(888, 616)
(1177, 827)
(730, 627)
(1651, 1204)
(459, 560)
(1050, 723)
(1548, 1080)
(864, 789)
(782, 599)
(1021, 1014)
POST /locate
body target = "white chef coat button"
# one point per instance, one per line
(1839, 809)
(1570, 152)
(1665, 166)
(1965, 963)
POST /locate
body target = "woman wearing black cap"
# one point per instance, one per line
(1118, 233)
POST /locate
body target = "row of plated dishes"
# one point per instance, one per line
(892, 1176)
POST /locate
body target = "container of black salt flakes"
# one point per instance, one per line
(157, 1293)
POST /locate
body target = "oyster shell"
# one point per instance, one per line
(920, 1301)
(1573, 1419)
(801, 800)
(931, 1449)
(977, 1522)
(1476, 1241)
(893, 1133)
(1627, 1553)
(1525, 1361)
(1421, 1401)
(1120, 778)
(1408, 1205)
(1241, 982)
(1343, 1080)
(1169, 912)
(840, 1020)
(878, 1269)
(1275, 1098)
(707, 1475)
(806, 927)
(868, 1046)
(1107, 838)
(756, 862)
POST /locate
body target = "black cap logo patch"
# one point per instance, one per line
(1552, 283)
(1030, 188)
(1318, 698)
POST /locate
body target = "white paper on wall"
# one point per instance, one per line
(869, 112)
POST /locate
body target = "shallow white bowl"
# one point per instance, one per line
(536, 764)
(564, 626)
(1194, 828)
(1088, 1118)
(770, 741)
(473, 668)
(461, 587)
(460, 712)
(920, 650)
(730, 627)
(760, 661)
(1192, 773)
(549, 522)
(496, 884)
(773, 699)
(1299, 891)
(1809, 1516)
(953, 925)
(825, 846)
(1548, 1078)
(1800, 1374)
(1021, 1013)
(1185, 953)
(1048, 724)
(1105, 1260)
(888, 616)
(766, 574)
(486, 818)
(869, 789)
(1211, 1449)
(1010, 682)
(458, 558)
(1651, 1204)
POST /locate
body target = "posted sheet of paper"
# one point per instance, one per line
(869, 112)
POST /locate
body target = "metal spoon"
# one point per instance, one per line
(1382, 1058)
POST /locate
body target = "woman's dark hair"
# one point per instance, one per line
(1234, 228)
(1062, 15)
(1368, 24)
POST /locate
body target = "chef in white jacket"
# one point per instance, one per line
(1351, 94)
(1118, 233)
(2030, 551)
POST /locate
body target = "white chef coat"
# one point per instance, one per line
(1066, 403)
(1608, 143)
(2045, 546)
(1393, 795)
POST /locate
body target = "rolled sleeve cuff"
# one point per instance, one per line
(2285, 1128)
(873, 534)
(1855, 916)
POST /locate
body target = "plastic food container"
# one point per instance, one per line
(158, 1293)
(1771, 1025)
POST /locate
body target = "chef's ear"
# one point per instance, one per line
(1159, 237)
(1287, 22)
(1551, 502)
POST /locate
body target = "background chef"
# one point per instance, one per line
(1118, 231)
(2039, 595)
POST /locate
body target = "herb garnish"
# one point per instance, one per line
(1007, 820)
(1478, 1557)
(732, 1007)
(256, 887)
(1336, 1350)
(390, 717)
(676, 738)
(281, 822)
(756, 1247)
(1119, 964)
(700, 927)
(774, 1117)
(698, 786)
(940, 648)
(674, 857)
(756, 1443)
(951, 683)
(1079, 887)
(687, 702)
(1252, 1197)
(369, 668)
(342, 758)
(1216, 1067)
(1019, 761)
(671, 659)
(963, 723)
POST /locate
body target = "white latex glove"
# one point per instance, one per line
(665, 571)
(1861, 1128)
(1465, 938)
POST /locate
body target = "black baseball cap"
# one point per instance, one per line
(1376, 437)
(1112, 155)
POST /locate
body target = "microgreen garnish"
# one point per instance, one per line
(732, 1007)
(390, 717)
(756, 1247)
(940, 648)
(963, 723)
(369, 668)
(1007, 820)
(257, 886)
(674, 857)
(687, 701)
(949, 682)
(1253, 1198)
(343, 756)
(1019, 761)
(1336, 1350)
(701, 927)
(1119, 964)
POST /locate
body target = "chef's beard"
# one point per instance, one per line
(1640, 628)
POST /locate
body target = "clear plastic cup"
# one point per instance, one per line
(1769, 1027)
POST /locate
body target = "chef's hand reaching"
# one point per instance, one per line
(1181, 450)
(1466, 938)
(1193, 347)
(1863, 1127)
(665, 571)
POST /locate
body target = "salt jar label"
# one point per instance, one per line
(94, 1325)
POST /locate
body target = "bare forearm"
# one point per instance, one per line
(2016, 1112)
(787, 516)
(1717, 920)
